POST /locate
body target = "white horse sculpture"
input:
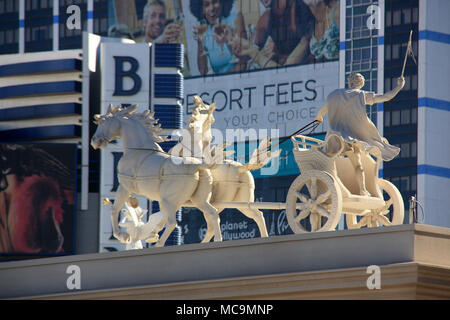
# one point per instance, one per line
(146, 170)
(233, 181)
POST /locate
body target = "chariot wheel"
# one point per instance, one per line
(313, 203)
(390, 214)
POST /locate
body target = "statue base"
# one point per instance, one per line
(413, 261)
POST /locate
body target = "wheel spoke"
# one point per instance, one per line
(323, 197)
(301, 196)
(388, 203)
(322, 212)
(302, 215)
(384, 220)
(312, 187)
(314, 219)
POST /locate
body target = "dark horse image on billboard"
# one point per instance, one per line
(37, 189)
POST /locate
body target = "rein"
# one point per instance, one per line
(310, 126)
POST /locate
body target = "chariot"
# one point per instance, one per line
(327, 188)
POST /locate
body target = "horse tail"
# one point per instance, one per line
(260, 157)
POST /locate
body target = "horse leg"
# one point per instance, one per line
(247, 194)
(201, 200)
(170, 213)
(121, 197)
(212, 221)
(258, 217)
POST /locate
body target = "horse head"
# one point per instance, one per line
(135, 129)
(108, 128)
(200, 122)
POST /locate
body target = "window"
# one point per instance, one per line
(395, 118)
(405, 150)
(396, 181)
(96, 26)
(365, 53)
(9, 35)
(348, 24)
(387, 118)
(414, 82)
(396, 18)
(413, 180)
(9, 6)
(62, 28)
(387, 52)
(375, 53)
(357, 22)
(415, 15)
(396, 51)
(407, 83)
(406, 13)
(356, 55)
(104, 25)
(387, 84)
(388, 18)
(414, 115)
(405, 116)
(404, 183)
(413, 149)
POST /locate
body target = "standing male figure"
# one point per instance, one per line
(347, 118)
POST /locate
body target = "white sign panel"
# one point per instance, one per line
(125, 80)
(286, 98)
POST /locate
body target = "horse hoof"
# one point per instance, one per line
(123, 237)
(152, 239)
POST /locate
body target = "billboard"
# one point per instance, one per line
(37, 198)
(226, 36)
(265, 63)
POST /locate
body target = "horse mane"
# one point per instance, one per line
(146, 118)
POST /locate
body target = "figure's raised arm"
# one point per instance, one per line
(378, 98)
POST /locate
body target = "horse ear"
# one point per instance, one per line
(197, 100)
(212, 107)
(132, 109)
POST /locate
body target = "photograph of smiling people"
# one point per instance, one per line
(156, 28)
(324, 43)
(218, 22)
(292, 32)
(153, 21)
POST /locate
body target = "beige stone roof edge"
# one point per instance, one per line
(233, 243)
(396, 277)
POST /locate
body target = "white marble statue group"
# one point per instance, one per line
(195, 173)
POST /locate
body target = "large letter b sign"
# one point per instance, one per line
(131, 73)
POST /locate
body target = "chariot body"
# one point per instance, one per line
(327, 188)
